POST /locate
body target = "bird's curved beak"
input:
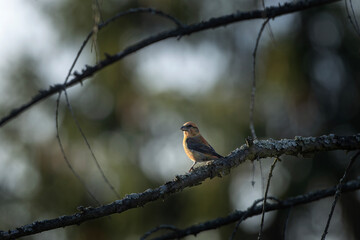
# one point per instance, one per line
(183, 128)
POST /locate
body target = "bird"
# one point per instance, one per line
(195, 146)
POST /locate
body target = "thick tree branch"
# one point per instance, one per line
(269, 12)
(252, 151)
(257, 210)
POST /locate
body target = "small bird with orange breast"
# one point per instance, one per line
(195, 146)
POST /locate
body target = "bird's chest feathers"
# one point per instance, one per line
(192, 154)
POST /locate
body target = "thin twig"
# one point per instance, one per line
(354, 15)
(253, 174)
(65, 157)
(89, 147)
(99, 7)
(271, 34)
(57, 122)
(269, 12)
(354, 22)
(286, 223)
(143, 10)
(97, 16)
(161, 227)
(265, 197)
(244, 216)
(252, 100)
(338, 193)
(262, 178)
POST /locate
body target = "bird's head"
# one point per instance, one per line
(190, 129)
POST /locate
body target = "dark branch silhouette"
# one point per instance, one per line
(352, 16)
(181, 30)
(158, 228)
(253, 89)
(265, 197)
(338, 193)
(244, 216)
(255, 210)
(256, 149)
(286, 223)
(66, 158)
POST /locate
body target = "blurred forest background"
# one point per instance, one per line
(308, 84)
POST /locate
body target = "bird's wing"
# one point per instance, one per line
(197, 145)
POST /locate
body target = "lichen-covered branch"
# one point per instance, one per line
(251, 151)
(181, 30)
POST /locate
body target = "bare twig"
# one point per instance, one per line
(144, 10)
(261, 149)
(352, 16)
(99, 10)
(286, 223)
(161, 227)
(252, 100)
(337, 194)
(57, 122)
(253, 174)
(262, 178)
(253, 89)
(265, 197)
(70, 109)
(97, 17)
(268, 13)
(246, 215)
(271, 34)
(257, 210)
(89, 147)
(65, 157)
